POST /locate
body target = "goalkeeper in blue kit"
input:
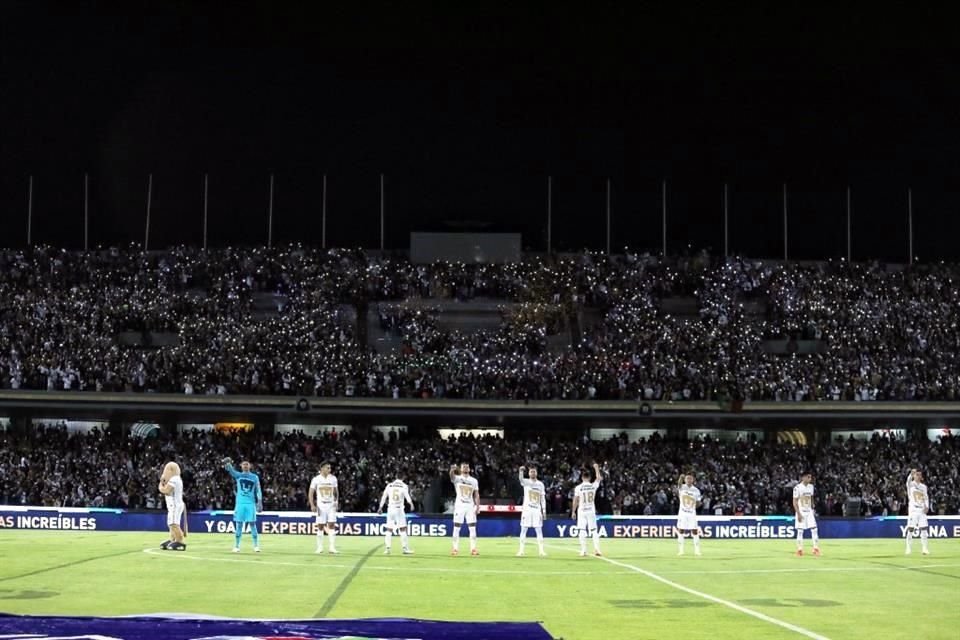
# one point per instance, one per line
(249, 502)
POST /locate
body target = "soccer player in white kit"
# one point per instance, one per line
(534, 508)
(171, 486)
(585, 509)
(687, 515)
(806, 520)
(394, 496)
(919, 501)
(466, 506)
(324, 485)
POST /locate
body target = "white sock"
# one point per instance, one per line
(923, 539)
(456, 537)
(696, 542)
(332, 534)
(473, 538)
(799, 538)
(816, 538)
(388, 537)
(403, 539)
(596, 540)
(909, 538)
(680, 540)
(583, 541)
(523, 537)
(320, 537)
(539, 531)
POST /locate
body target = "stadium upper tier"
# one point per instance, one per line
(307, 322)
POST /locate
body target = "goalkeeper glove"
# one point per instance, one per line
(228, 461)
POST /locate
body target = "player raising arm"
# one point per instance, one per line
(324, 485)
(919, 501)
(248, 502)
(585, 509)
(465, 507)
(687, 516)
(806, 520)
(534, 508)
(394, 496)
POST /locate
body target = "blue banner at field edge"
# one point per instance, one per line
(177, 628)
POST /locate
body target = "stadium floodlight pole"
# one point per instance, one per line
(726, 223)
(608, 216)
(910, 222)
(270, 216)
(323, 213)
(786, 255)
(86, 212)
(549, 215)
(849, 259)
(146, 229)
(206, 202)
(382, 225)
(30, 212)
(663, 201)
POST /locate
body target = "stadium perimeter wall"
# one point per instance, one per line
(354, 524)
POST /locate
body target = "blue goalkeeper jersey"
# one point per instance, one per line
(248, 487)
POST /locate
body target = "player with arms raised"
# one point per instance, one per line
(687, 515)
(394, 496)
(465, 507)
(324, 485)
(248, 502)
(171, 486)
(534, 508)
(585, 509)
(806, 520)
(919, 501)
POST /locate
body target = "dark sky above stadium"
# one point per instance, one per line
(467, 112)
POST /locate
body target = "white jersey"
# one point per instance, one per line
(689, 497)
(325, 488)
(396, 494)
(465, 486)
(587, 492)
(917, 495)
(175, 499)
(533, 494)
(803, 493)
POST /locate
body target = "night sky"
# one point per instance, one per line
(467, 114)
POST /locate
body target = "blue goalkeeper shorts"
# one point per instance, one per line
(245, 513)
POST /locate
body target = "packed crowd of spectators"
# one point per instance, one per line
(879, 333)
(49, 466)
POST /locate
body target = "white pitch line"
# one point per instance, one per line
(707, 596)
(809, 570)
(368, 567)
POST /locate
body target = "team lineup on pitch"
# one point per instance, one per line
(323, 497)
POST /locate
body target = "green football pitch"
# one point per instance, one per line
(640, 589)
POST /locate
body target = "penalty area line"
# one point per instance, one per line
(706, 596)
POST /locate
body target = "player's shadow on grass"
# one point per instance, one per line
(15, 594)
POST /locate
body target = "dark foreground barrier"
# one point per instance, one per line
(356, 524)
(151, 628)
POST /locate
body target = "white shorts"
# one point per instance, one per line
(396, 518)
(464, 511)
(326, 514)
(531, 518)
(809, 521)
(586, 521)
(917, 519)
(174, 514)
(687, 522)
